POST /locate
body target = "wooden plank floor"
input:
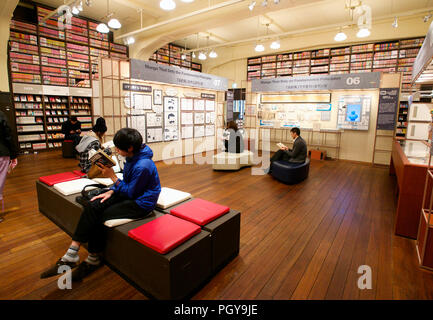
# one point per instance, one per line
(297, 242)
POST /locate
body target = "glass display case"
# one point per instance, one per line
(417, 152)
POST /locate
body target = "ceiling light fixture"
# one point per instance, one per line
(259, 48)
(80, 6)
(75, 10)
(183, 56)
(265, 3)
(193, 55)
(275, 45)
(102, 28)
(202, 56)
(187, 1)
(276, 1)
(213, 54)
(167, 5)
(395, 23)
(130, 40)
(114, 24)
(340, 36)
(363, 32)
(252, 5)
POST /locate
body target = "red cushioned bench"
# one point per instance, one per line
(222, 222)
(176, 274)
(59, 177)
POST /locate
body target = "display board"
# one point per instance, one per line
(354, 112)
(388, 104)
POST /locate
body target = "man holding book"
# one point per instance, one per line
(296, 155)
(134, 197)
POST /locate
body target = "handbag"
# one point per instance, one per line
(87, 195)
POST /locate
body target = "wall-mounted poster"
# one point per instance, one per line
(137, 122)
(170, 119)
(354, 112)
(186, 104)
(198, 131)
(210, 105)
(187, 132)
(187, 118)
(157, 108)
(210, 117)
(210, 130)
(157, 96)
(142, 101)
(199, 118)
(154, 135)
(153, 119)
(199, 104)
(170, 104)
(171, 133)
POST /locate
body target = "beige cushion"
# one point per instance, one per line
(170, 197)
(75, 186)
(107, 181)
(117, 222)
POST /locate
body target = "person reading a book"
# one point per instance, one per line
(72, 129)
(91, 140)
(233, 139)
(134, 197)
(296, 155)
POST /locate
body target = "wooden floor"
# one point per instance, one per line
(297, 242)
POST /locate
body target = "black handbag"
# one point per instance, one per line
(87, 195)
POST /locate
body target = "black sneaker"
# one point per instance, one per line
(53, 271)
(83, 270)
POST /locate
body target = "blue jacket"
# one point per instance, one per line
(140, 179)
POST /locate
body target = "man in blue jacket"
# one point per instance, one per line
(133, 197)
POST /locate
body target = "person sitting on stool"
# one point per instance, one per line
(72, 129)
(296, 155)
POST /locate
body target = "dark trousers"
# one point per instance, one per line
(91, 227)
(280, 155)
(76, 138)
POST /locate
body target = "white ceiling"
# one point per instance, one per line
(287, 16)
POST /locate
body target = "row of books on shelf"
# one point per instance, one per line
(29, 113)
(29, 128)
(40, 145)
(56, 119)
(31, 137)
(28, 105)
(54, 128)
(29, 120)
(56, 112)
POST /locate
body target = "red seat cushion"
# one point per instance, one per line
(79, 173)
(200, 211)
(59, 177)
(164, 233)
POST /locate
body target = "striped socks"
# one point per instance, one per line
(71, 255)
(93, 259)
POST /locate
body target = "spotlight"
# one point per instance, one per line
(202, 56)
(265, 3)
(167, 5)
(89, 3)
(427, 17)
(75, 10)
(130, 40)
(213, 54)
(341, 36)
(259, 48)
(252, 5)
(275, 45)
(363, 32)
(395, 23)
(183, 56)
(114, 23)
(193, 55)
(102, 28)
(80, 6)
(276, 1)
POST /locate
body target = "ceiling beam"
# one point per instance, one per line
(147, 10)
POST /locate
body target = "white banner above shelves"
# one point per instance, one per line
(367, 80)
(151, 71)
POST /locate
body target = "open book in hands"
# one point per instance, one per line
(102, 158)
(280, 145)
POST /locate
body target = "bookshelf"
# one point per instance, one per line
(389, 56)
(39, 119)
(170, 54)
(45, 55)
(401, 127)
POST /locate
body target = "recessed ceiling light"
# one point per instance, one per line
(167, 5)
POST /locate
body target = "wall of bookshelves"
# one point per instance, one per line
(45, 54)
(391, 56)
(170, 55)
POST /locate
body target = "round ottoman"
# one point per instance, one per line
(290, 173)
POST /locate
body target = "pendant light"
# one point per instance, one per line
(363, 32)
(340, 36)
(275, 45)
(114, 24)
(259, 48)
(213, 54)
(167, 5)
(102, 28)
(75, 10)
(202, 55)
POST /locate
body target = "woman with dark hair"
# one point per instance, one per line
(91, 140)
(134, 197)
(235, 141)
